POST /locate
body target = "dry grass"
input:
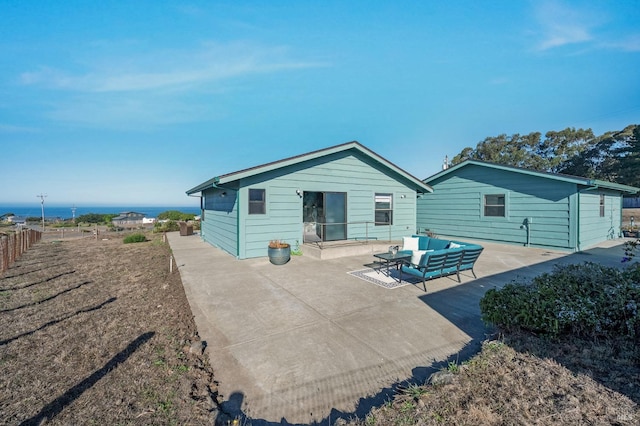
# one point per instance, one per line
(94, 332)
(627, 214)
(528, 380)
(97, 332)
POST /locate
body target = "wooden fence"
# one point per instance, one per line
(13, 245)
(631, 202)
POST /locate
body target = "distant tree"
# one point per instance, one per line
(614, 156)
(175, 215)
(628, 154)
(515, 150)
(559, 147)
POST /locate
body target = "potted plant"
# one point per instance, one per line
(279, 252)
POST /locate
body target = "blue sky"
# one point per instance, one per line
(133, 103)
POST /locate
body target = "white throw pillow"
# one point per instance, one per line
(454, 245)
(410, 243)
(416, 256)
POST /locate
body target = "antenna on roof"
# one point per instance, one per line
(445, 165)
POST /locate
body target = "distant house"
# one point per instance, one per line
(344, 192)
(128, 219)
(489, 201)
(17, 220)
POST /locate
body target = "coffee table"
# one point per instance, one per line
(390, 259)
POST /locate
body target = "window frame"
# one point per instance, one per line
(377, 210)
(253, 203)
(505, 198)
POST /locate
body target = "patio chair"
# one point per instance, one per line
(430, 267)
(451, 263)
(469, 259)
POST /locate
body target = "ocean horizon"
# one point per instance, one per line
(66, 212)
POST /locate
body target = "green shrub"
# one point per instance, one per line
(95, 218)
(176, 215)
(168, 226)
(135, 238)
(587, 300)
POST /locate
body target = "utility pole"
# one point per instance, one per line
(42, 197)
(73, 212)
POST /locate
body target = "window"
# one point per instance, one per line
(494, 205)
(601, 205)
(384, 209)
(257, 203)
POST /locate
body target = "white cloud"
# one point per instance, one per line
(586, 26)
(126, 111)
(145, 89)
(627, 44)
(169, 69)
(561, 25)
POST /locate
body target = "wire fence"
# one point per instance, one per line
(14, 244)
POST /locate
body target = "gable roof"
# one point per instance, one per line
(218, 181)
(590, 183)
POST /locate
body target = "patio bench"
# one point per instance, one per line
(435, 258)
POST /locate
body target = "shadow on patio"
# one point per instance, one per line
(459, 304)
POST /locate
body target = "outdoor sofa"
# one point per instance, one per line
(434, 258)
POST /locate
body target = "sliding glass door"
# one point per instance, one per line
(335, 216)
(325, 216)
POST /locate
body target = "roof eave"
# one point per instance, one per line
(419, 186)
(590, 183)
(211, 183)
(564, 178)
(595, 184)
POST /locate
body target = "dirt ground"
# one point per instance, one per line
(95, 331)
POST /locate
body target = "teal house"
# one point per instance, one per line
(505, 204)
(344, 192)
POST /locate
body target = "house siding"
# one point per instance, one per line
(220, 224)
(593, 227)
(349, 172)
(455, 207)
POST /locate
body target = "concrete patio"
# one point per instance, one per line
(306, 342)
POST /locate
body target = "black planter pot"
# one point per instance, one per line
(631, 234)
(279, 256)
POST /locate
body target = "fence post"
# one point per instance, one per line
(14, 245)
(4, 254)
(12, 242)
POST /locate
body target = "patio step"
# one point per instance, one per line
(334, 250)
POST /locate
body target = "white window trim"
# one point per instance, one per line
(377, 195)
(506, 205)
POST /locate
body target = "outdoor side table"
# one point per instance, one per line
(388, 259)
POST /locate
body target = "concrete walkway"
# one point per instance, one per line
(307, 342)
